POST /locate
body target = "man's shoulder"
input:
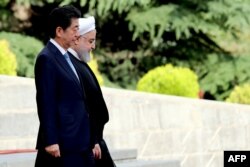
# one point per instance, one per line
(47, 51)
(45, 57)
(45, 54)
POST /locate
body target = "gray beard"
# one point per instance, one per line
(85, 57)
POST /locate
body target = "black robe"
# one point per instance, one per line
(97, 108)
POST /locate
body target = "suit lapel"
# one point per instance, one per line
(62, 61)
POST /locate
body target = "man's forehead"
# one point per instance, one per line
(74, 22)
(90, 34)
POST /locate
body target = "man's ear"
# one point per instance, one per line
(59, 31)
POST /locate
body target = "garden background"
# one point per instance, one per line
(189, 48)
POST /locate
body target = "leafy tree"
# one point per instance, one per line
(183, 32)
(152, 20)
(186, 32)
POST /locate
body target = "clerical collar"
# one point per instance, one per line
(73, 52)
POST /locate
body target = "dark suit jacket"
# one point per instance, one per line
(62, 111)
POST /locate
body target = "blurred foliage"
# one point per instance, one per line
(151, 19)
(189, 17)
(126, 73)
(7, 59)
(25, 48)
(218, 73)
(94, 67)
(132, 66)
(3, 3)
(108, 83)
(7, 20)
(136, 36)
(170, 80)
(240, 94)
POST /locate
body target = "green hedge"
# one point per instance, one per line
(240, 94)
(7, 59)
(170, 80)
(26, 49)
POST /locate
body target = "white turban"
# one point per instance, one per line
(86, 25)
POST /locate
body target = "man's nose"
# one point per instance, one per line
(77, 35)
(93, 46)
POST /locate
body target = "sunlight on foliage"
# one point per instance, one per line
(8, 62)
(170, 80)
(94, 67)
(240, 94)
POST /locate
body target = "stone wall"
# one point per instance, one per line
(165, 127)
(194, 131)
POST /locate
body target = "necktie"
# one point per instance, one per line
(66, 55)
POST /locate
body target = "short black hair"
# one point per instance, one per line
(61, 17)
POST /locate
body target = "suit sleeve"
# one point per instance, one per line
(46, 98)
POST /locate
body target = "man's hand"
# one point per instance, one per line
(53, 150)
(97, 151)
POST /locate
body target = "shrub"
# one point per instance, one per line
(26, 49)
(7, 59)
(170, 80)
(240, 94)
(94, 66)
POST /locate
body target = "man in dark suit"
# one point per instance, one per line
(64, 132)
(80, 55)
